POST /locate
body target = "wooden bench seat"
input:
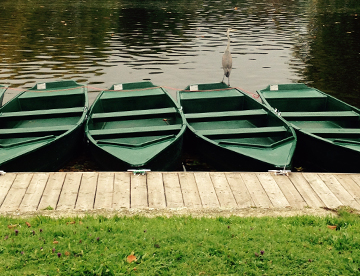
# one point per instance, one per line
(133, 113)
(223, 114)
(35, 130)
(116, 94)
(320, 114)
(42, 113)
(333, 131)
(245, 132)
(135, 130)
(41, 94)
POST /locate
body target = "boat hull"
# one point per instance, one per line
(233, 132)
(135, 126)
(43, 127)
(328, 129)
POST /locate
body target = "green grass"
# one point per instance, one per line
(301, 245)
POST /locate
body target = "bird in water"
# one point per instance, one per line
(227, 59)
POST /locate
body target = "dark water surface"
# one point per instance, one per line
(176, 43)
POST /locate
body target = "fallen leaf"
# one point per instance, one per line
(28, 224)
(55, 242)
(131, 258)
(67, 253)
(332, 227)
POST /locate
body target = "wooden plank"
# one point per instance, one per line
(69, 192)
(239, 190)
(322, 190)
(350, 185)
(138, 191)
(223, 191)
(121, 196)
(291, 193)
(156, 192)
(104, 191)
(256, 190)
(5, 183)
(34, 192)
(273, 191)
(86, 196)
(306, 191)
(206, 190)
(173, 194)
(17, 191)
(190, 193)
(339, 191)
(52, 190)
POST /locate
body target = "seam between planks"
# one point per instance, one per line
(62, 186)
(27, 187)
(77, 194)
(252, 199)
(42, 194)
(182, 194)
(307, 203)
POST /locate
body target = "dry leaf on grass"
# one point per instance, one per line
(131, 258)
(332, 227)
(28, 224)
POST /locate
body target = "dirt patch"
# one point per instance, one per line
(168, 212)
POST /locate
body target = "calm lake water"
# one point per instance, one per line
(176, 43)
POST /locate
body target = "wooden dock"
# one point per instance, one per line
(29, 192)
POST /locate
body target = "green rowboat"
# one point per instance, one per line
(41, 128)
(328, 129)
(135, 126)
(2, 92)
(235, 132)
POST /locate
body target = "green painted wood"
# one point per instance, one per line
(42, 127)
(328, 129)
(134, 126)
(232, 131)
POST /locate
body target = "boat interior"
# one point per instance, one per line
(38, 116)
(230, 118)
(134, 118)
(317, 113)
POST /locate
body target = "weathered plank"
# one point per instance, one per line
(350, 185)
(104, 191)
(273, 191)
(291, 193)
(206, 190)
(5, 183)
(138, 192)
(322, 190)
(239, 190)
(306, 191)
(121, 196)
(173, 194)
(17, 191)
(52, 191)
(256, 190)
(86, 196)
(190, 193)
(223, 191)
(339, 191)
(156, 192)
(69, 192)
(34, 192)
